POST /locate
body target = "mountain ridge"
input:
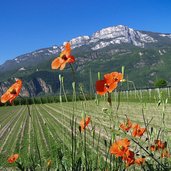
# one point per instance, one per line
(142, 51)
(74, 41)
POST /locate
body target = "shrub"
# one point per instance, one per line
(160, 83)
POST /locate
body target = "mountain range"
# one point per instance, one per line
(145, 55)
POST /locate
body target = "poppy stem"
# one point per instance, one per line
(73, 72)
(118, 100)
(72, 138)
(85, 149)
(109, 99)
(28, 110)
(26, 104)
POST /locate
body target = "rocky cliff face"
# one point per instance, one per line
(114, 35)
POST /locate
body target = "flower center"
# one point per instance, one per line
(139, 131)
(106, 85)
(115, 79)
(64, 57)
(13, 91)
(121, 147)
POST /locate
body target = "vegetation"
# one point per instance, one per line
(160, 83)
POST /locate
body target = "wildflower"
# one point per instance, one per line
(128, 157)
(126, 126)
(12, 92)
(13, 158)
(153, 148)
(64, 58)
(140, 161)
(160, 144)
(130, 162)
(138, 131)
(109, 83)
(84, 122)
(120, 147)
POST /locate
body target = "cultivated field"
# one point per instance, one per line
(52, 132)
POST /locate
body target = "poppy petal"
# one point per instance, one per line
(68, 46)
(67, 50)
(117, 76)
(112, 87)
(63, 65)
(84, 122)
(100, 87)
(56, 63)
(6, 97)
(108, 78)
(71, 59)
(140, 161)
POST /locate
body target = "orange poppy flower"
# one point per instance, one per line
(130, 162)
(126, 126)
(12, 92)
(137, 131)
(84, 123)
(128, 157)
(64, 58)
(140, 161)
(120, 147)
(153, 148)
(13, 158)
(160, 144)
(109, 83)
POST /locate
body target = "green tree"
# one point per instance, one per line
(160, 83)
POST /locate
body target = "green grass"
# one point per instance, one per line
(49, 129)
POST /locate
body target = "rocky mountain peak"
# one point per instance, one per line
(113, 35)
(110, 32)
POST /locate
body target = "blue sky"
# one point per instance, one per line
(27, 25)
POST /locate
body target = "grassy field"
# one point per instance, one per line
(52, 132)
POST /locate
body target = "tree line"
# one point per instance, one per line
(47, 99)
